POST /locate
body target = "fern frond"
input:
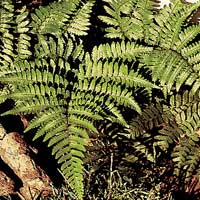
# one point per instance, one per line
(144, 14)
(124, 50)
(81, 122)
(128, 19)
(59, 47)
(34, 105)
(186, 36)
(68, 148)
(168, 67)
(6, 23)
(182, 133)
(186, 158)
(122, 25)
(173, 41)
(169, 21)
(53, 123)
(190, 49)
(23, 44)
(185, 108)
(151, 117)
(44, 117)
(104, 78)
(114, 72)
(7, 13)
(52, 18)
(15, 38)
(84, 111)
(79, 23)
(7, 54)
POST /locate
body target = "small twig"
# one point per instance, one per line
(110, 178)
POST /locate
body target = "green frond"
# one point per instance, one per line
(7, 54)
(167, 31)
(81, 122)
(15, 38)
(117, 116)
(32, 91)
(106, 78)
(22, 28)
(68, 148)
(144, 14)
(169, 67)
(34, 105)
(44, 117)
(169, 135)
(95, 107)
(6, 23)
(7, 14)
(190, 50)
(68, 140)
(185, 109)
(124, 50)
(52, 18)
(58, 47)
(53, 123)
(179, 56)
(151, 117)
(95, 78)
(64, 16)
(186, 36)
(186, 157)
(56, 130)
(78, 52)
(120, 21)
(194, 59)
(85, 111)
(79, 23)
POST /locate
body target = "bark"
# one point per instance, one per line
(16, 154)
(6, 185)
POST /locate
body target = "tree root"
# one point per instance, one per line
(16, 154)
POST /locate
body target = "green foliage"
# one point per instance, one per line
(171, 129)
(57, 81)
(48, 69)
(185, 136)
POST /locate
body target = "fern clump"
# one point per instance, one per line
(167, 31)
(66, 88)
(147, 56)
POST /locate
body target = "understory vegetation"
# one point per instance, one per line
(111, 89)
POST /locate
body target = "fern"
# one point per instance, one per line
(122, 25)
(143, 132)
(183, 133)
(66, 88)
(165, 30)
(80, 21)
(7, 13)
(124, 50)
(172, 37)
(49, 71)
(173, 128)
